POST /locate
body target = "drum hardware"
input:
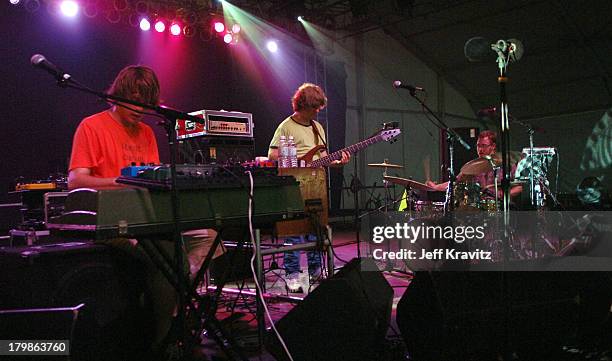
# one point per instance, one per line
(389, 265)
(533, 168)
(418, 198)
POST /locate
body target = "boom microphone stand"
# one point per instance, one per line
(451, 137)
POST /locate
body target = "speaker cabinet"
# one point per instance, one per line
(345, 318)
(479, 315)
(222, 150)
(114, 322)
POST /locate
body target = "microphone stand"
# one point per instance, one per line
(355, 188)
(504, 56)
(170, 115)
(531, 132)
(451, 137)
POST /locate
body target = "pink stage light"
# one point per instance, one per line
(236, 28)
(69, 8)
(160, 26)
(14, 2)
(228, 38)
(145, 25)
(219, 27)
(175, 29)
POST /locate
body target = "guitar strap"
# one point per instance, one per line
(317, 135)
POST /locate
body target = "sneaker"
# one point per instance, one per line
(315, 275)
(293, 284)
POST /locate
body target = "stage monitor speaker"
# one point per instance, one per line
(462, 155)
(345, 318)
(41, 324)
(213, 149)
(115, 321)
(480, 315)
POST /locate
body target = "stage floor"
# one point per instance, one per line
(242, 322)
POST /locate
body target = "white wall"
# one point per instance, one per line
(372, 66)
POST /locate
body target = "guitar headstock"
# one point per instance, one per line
(390, 131)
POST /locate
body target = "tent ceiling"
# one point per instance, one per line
(566, 67)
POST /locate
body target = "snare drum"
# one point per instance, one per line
(467, 196)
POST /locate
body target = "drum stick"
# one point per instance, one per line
(427, 168)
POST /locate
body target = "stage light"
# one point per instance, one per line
(219, 27)
(236, 28)
(228, 38)
(160, 26)
(32, 5)
(145, 25)
(189, 31)
(120, 5)
(134, 19)
(113, 16)
(90, 10)
(175, 29)
(14, 2)
(272, 46)
(142, 7)
(300, 18)
(69, 8)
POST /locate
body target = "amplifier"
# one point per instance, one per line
(217, 123)
(221, 150)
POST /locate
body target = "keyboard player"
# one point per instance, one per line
(108, 141)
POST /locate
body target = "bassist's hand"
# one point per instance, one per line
(346, 157)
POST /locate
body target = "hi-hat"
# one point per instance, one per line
(385, 165)
(409, 183)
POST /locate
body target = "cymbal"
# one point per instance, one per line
(385, 165)
(409, 183)
(478, 166)
(487, 163)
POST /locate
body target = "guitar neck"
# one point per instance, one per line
(337, 155)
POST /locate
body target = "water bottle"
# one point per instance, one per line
(283, 152)
(293, 161)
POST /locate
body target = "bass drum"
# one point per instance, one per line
(427, 209)
(466, 196)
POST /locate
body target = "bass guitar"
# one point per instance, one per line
(388, 133)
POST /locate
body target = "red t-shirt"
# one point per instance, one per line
(103, 145)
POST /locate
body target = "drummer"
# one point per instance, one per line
(486, 145)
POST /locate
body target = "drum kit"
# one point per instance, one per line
(473, 203)
(426, 201)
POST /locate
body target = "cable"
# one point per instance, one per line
(263, 301)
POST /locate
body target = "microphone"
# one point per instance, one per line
(480, 49)
(398, 84)
(40, 61)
